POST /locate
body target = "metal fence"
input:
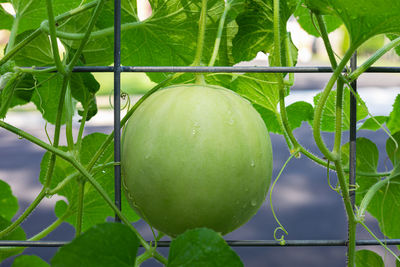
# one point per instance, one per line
(117, 69)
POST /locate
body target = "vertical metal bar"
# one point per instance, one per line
(353, 133)
(117, 88)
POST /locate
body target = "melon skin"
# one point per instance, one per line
(196, 156)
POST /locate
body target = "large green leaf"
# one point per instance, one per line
(329, 111)
(9, 203)
(30, 13)
(104, 245)
(37, 53)
(201, 247)
(29, 261)
(6, 19)
(167, 38)
(303, 17)
(47, 94)
(393, 122)
(95, 208)
(256, 28)
(367, 258)
(17, 234)
(362, 18)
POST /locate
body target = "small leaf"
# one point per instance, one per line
(296, 112)
(391, 150)
(108, 245)
(370, 123)
(329, 111)
(17, 234)
(201, 247)
(29, 261)
(303, 17)
(366, 161)
(367, 258)
(8, 202)
(84, 87)
(270, 119)
(393, 122)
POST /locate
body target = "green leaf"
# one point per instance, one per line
(392, 150)
(6, 19)
(37, 53)
(256, 28)
(108, 245)
(259, 88)
(270, 119)
(17, 234)
(201, 247)
(47, 94)
(31, 13)
(391, 38)
(167, 38)
(29, 261)
(385, 204)
(358, 19)
(95, 208)
(303, 17)
(366, 161)
(367, 258)
(296, 112)
(370, 123)
(329, 111)
(84, 87)
(8, 202)
(393, 122)
(8, 83)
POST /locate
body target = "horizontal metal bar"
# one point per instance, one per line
(233, 243)
(235, 69)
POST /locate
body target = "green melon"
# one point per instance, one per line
(196, 156)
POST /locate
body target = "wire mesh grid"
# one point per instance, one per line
(117, 69)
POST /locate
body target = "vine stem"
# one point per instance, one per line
(352, 220)
(320, 106)
(370, 61)
(371, 193)
(95, 34)
(219, 33)
(200, 41)
(25, 214)
(79, 217)
(13, 34)
(53, 38)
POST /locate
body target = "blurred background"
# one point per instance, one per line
(302, 199)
